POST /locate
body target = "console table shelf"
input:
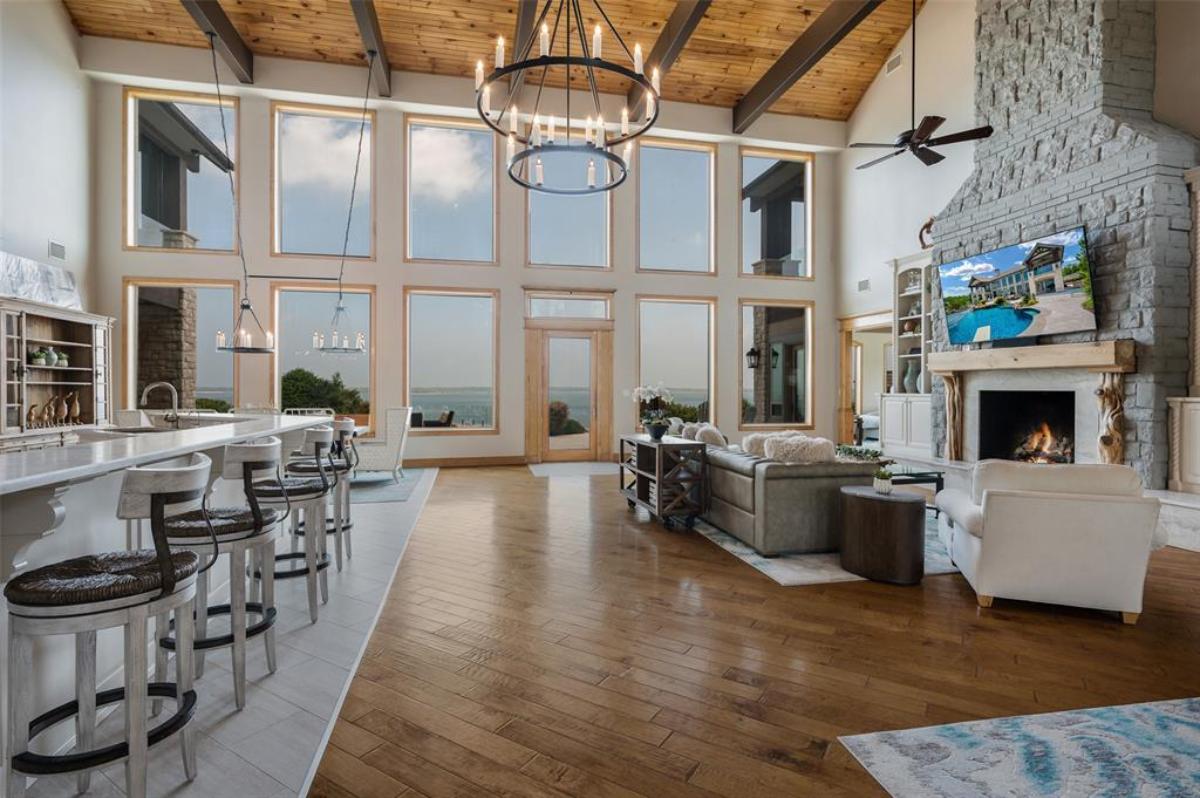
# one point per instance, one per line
(667, 478)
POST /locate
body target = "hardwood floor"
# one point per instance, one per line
(541, 639)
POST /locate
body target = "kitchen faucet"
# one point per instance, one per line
(173, 416)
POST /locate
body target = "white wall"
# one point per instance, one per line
(117, 63)
(45, 137)
(883, 208)
(1177, 64)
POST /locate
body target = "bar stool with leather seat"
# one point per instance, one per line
(240, 531)
(83, 595)
(343, 460)
(305, 496)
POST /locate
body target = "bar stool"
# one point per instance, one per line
(304, 495)
(240, 531)
(343, 460)
(83, 595)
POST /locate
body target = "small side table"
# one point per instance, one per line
(883, 536)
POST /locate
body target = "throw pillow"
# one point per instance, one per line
(676, 425)
(689, 430)
(709, 434)
(754, 443)
(800, 449)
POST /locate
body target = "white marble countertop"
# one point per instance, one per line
(54, 466)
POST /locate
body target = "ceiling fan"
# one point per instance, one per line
(917, 138)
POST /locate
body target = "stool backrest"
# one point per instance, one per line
(261, 453)
(343, 430)
(317, 440)
(181, 482)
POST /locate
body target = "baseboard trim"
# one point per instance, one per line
(465, 462)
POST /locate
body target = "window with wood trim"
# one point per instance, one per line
(314, 153)
(676, 350)
(776, 214)
(675, 206)
(451, 191)
(567, 230)
(176, 186)
(453, 349)
(567, 305)
(776, 364)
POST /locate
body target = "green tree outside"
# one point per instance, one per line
(302, 388)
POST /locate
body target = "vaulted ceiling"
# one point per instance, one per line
(729, 51)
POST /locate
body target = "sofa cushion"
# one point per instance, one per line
(957, 505)
(800, 449)
(1109, 480)
(688, 430)
(732, 487)
(738, 462)
(709, 434)
(773, 469)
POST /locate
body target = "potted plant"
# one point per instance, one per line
(63, 359)
(652, 400)
(37, 357)
(883, 481)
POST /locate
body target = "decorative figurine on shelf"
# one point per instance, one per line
(75, 410)
(47, 415)
(910, 325)
(31, 416)
(925, 234)
(61, 408)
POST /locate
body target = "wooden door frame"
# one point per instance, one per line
(537, 332)
(847, 326)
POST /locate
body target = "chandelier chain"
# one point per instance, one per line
(212, 46)
(362, 127)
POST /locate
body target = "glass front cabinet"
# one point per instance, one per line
(56, 364)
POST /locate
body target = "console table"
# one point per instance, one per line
(668, 478)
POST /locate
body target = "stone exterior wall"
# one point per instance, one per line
(167, 344)
(1068, 87)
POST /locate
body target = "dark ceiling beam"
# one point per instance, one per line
(670, 43)
(372, 39)
(527, 13)
(841, 17)
(211, 18)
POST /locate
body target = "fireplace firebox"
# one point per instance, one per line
(1029, 426)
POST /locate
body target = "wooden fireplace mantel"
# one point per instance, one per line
(1112, 359)
(1109, 356)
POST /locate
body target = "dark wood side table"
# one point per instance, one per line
(883, 536)
(668, 477)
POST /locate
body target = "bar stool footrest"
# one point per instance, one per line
(295, 573)
(43, 765)
(330, 528)
(224, 641)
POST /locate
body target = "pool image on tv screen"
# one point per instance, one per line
(1038, 287)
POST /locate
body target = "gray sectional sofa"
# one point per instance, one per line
(780, 508)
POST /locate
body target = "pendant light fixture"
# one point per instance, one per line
(244, 342)
(584, 156)
(339, 343)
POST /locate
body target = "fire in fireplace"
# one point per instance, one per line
(1029, 426)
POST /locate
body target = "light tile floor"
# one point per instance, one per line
(269, 748)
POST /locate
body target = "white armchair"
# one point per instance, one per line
(388, 454)
(1078, 535)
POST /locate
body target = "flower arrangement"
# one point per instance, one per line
(651, 401)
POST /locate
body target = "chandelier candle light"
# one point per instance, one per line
(592, 166)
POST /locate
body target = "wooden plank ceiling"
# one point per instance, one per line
(733, 46)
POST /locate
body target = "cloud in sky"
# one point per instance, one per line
(968, 268)
(448, 165)
(321, 149)
(955, 290)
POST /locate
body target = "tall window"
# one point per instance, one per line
(177, 175)
(675, 207)
(171, 330)
(308, 377)
(451, 192)
(675, 348)
(315, 150)
(776, 383)
(776, 214)
(567, 230)
(452, 354)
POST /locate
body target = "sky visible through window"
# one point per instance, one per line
(675, 202)
(451, 357)
(567, 230)
(673, 341)
(315, 173)
(303, 312)
(214, 370)
(450, 184)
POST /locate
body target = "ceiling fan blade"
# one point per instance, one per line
(869, 164)
(928, 156)
(873, 144)
(964, 135)
(926, 128)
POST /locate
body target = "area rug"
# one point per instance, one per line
(371, 487)
(572, 469)
(1131, 751)
(816, 569)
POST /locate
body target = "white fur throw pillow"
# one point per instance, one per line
(755, 442)
(676, 425)
(709, 434)
(800, 449)
(689, 430)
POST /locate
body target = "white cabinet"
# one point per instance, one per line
(1185, 444)
(905, 425)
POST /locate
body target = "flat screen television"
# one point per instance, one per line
(1038, 287)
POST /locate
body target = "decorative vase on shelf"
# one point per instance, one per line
(51, 356)
(910, 376)
(657, 429)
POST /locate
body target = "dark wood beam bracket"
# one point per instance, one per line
(841, 17)
(211, 18)
(372, 39)
(670, 43)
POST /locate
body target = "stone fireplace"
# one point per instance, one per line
(1069, 89)
(1027, 426)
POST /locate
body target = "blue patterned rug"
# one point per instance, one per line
(790, 570)
(1131, 751)
(371, 487)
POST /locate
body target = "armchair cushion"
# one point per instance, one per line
(959, 508)
(1111, 480)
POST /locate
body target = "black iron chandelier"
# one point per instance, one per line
(592, 145)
